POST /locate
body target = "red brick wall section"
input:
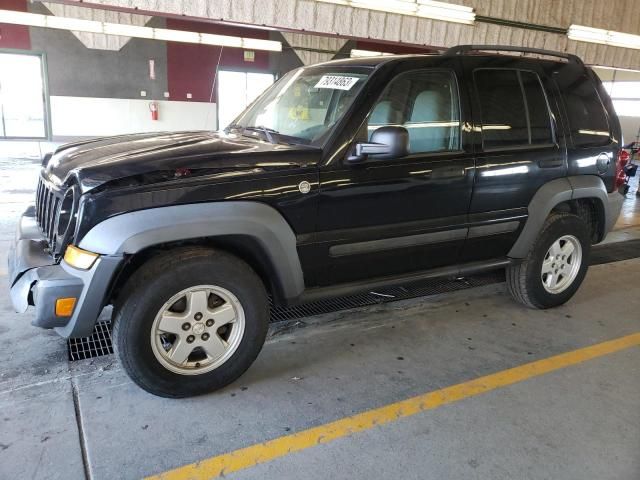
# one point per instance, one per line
(14, 36)
(191, 68)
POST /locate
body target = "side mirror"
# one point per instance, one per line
(386, 142)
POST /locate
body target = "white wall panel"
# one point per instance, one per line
(86, 116)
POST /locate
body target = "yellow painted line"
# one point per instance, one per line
(279, 447)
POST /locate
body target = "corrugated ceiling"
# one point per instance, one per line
(331, 19)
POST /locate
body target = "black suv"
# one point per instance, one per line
(341, 177)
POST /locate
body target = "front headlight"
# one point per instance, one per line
(78, 258)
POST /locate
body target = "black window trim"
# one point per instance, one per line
(552, 120)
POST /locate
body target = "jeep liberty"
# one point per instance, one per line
(339, 178)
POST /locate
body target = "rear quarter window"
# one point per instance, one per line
(587, 116)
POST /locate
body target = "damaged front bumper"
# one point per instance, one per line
(36, 279)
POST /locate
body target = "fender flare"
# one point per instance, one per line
(132, 232)
(552, 194)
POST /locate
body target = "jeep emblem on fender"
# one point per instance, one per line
(304, 187)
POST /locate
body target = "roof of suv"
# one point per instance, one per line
(373, 61)
(460, 50)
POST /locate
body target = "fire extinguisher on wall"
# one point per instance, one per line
(154, 107)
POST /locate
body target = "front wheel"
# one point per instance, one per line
(193, 320)
(555, 266)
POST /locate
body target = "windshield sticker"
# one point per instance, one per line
(299, 112)
(337, 82)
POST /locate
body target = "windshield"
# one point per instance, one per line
(303, 106)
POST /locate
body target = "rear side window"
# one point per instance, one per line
(587, 116)
(513, 109)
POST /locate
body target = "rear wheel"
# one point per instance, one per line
(193, 321)
(555, 266)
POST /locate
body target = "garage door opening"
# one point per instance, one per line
(23, 109)
(236, 90)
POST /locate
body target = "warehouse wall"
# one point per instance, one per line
(335, 19)
(191, 67)
(14, 36)
(78, 71)
(102, 92)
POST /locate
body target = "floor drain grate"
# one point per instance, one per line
(99, 343)
(384, 295)
(96, 345)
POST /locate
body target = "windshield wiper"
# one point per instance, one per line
(268, 132)
(273, 136)
(233, 126)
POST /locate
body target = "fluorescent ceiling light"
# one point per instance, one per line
(75, 24)
(355, 53)
(176, 35)
(447, 12)
(93, 26)
(128, 30)
(22, 18)
(604, 67)
(626, 40)
(396, 6)
(606, 37)
(211, 39)
(259, 44)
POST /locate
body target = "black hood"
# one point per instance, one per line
(100, 160)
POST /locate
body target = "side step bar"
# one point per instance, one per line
(320, 293)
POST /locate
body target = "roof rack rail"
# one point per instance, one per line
(462, 49)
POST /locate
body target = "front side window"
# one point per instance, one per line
(304, 105)
(426, 104)
(513, 109)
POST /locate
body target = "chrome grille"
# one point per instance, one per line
(47, 201)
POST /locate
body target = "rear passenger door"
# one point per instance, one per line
(519, 148)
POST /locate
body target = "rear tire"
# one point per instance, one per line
(192, 321)
(556, 265)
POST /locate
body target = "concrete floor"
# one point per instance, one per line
(86, 419)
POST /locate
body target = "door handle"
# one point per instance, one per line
(551, 163)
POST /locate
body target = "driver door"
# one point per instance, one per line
(399, 215)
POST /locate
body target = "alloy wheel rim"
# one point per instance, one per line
(197, 330)
(561, 264)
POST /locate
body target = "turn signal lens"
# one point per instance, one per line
(64, 306)
(76, 257)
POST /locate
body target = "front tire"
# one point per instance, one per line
(555, 266)
(192, 321)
